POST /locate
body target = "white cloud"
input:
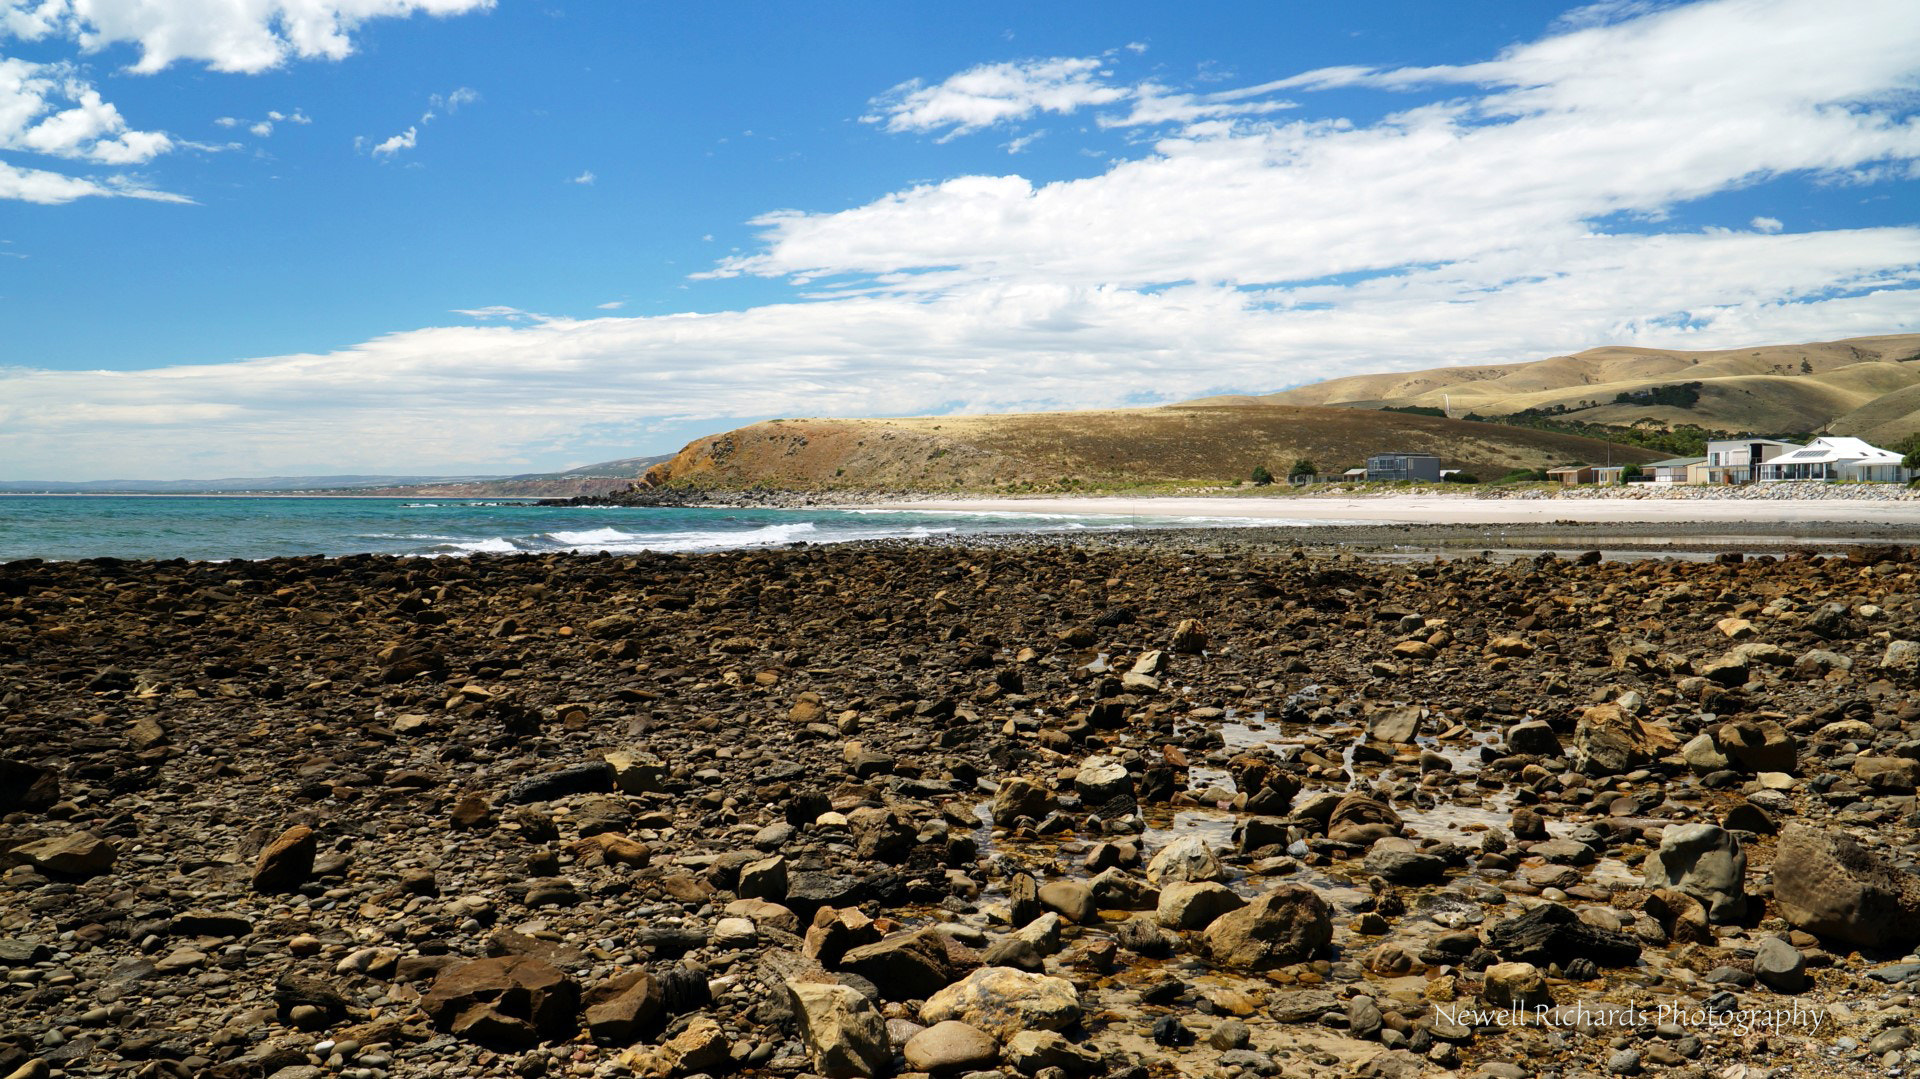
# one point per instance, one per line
(451, 102)
(611, 305)
(262, 128)
(295, 117)
(246, 36)
(993, 94)
(586, 178)
(405, 140)
(228, 121)
(1767, 224)
(49, 109)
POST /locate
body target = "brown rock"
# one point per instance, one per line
(1290, 924)
(287, 862)
(625, 1009)
(79, 854)
(510, 1002)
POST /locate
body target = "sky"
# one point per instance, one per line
(284, 237)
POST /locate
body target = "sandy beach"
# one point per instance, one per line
(1452, 510)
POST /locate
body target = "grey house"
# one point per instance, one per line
(1404, 466)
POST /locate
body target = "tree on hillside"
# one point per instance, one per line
(1261, 477)
(1910, 447)
(1302, 467)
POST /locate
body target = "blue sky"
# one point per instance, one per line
(511, 236)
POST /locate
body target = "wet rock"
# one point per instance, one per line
(509, 1002)
(1361, 819)
(286, 863)
(1002, 1001)
(1195, 904)
(1607, 741)
(591, 777)
(1020, 797)
(1395, 725)
(1551, 933)
(1289, 924)
(1102, 779)
(1400, 861)
(950, 1046)
(1187, 858)
(1533, 738)
(844, 1035)
(77, 854)
(1071, 899)
(1829, 885)
(1705, 862)
(1518, 986)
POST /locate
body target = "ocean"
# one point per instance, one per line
(63, 527)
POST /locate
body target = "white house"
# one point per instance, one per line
(1837, 458)
(1738, 460)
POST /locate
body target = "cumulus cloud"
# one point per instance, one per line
(246, 36)
(994, 94)
(449, 103)
(53, 188)
(49, 109)
(585, 179)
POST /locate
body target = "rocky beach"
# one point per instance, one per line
(1200, 804)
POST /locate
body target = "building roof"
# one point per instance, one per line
(1838, 450)
(1569, 468)
(1712, 442)
(1676, 462)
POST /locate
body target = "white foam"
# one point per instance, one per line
(496, 545)
(593, 535)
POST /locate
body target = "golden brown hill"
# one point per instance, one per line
(1191, 444)
(1857, 386)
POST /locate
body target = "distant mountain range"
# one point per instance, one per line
(588, 479)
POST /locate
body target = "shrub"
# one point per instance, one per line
(1303, 467)
(1261, 477)
(1461, 477)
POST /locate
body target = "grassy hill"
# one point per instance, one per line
(1178, 444)
(1867, 386)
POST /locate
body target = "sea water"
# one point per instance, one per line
(212, 528)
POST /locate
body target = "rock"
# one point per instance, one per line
(906, 966)
(1020, 797)
(1706, 862)
(508, 1002)
(625, 1009)
(287, 862)
(1031, 1051)
(77, 854)
(1518, 986)
(1758, 745)
(1681, 917)
(26, 786)
(592, 777)
(1401, 862)
(844, 1035)
(1102, 779)
(1731, 669)
(1002, 1001)
(1818, 663)
(636, 773)
(765, 878)
(1748, 817)
(1888, 775)
(950, 1046)
(1071, 899)
(1189, 638)
(1830, 886)
(1901, 657)
(1512, 647)
(1289, 924)
(1551, 933)
(700, 1048)
(1780, 966)
(1195, 904)
(1607, 741)
(1703, 755)
(1533, 738)
(1187, 858)
(1360, 819)
(1394, 725)
(1142, 934)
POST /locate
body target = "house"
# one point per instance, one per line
(1738, 460)
(1403, 466)
(1354, 474)
(1571, 474)
(1671, 470)
(1838, 458)
(1610, 473)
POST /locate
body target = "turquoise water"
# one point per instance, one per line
(90, 526)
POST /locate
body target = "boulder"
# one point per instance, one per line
(1071, 899)
(637, 773)
(77, 854)
(1187, 858)
(509, 1002)
(1189, 638)
(1518, 986)
(1607, 741)
(905, 966)
(1887, 775)
(1396, 725)
(1703, 756)
(1195, 904)
(592, 777)
(1704, 861)
(1020, 797)
(1780, 966)
(950, 1046)
(1533, 738)
(1003, 1001)
(625, 1009)
(1901, 657)
(287, 862)
(1400, 861)
(1829, 885)
(1361, 819)
(1290, 924)
(1102, 779)
(1758, 745)
(27, 786)
(1551, 933)
(844, 1035)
